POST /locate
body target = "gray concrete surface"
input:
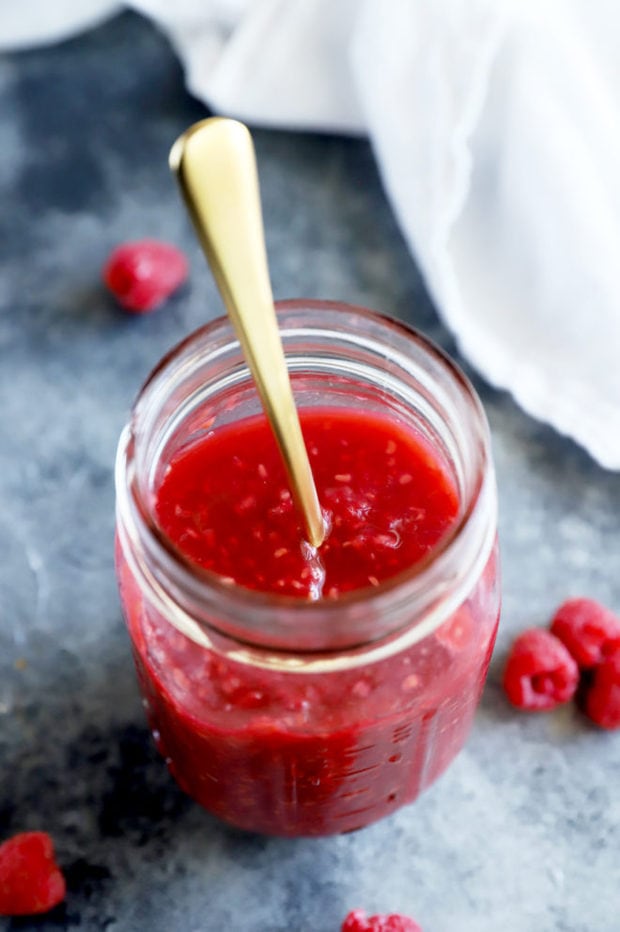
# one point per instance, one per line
(522, 834)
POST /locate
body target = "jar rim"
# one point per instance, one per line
(246, 599)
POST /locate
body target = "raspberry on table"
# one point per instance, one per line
(30, 880)
(358, 921)
(540, 672)
(588, 629)
(143, 273)
(602, 696)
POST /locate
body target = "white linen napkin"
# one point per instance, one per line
(496, 125)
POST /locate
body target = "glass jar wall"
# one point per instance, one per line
(292, 716)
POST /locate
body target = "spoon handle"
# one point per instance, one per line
(215, 165)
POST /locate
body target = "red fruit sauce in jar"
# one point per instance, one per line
(291, 691)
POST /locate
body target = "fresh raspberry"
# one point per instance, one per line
(357, 921)
(589, 630)
(602, 696)
(142, 274)
(540, 673)
(30, 879)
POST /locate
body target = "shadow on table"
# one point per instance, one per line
(83, 766)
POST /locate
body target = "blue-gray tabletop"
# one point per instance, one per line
(522, 833)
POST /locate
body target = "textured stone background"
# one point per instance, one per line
(523, 832)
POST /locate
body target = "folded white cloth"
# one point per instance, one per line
(32, 22)
(496, 125)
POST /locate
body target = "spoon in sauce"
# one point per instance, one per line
(215, 164)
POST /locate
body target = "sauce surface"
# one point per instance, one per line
(225, 503)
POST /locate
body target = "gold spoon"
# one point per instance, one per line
(215, 165)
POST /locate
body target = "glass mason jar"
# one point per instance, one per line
(286, 716)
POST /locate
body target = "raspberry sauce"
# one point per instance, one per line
(226, 504)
